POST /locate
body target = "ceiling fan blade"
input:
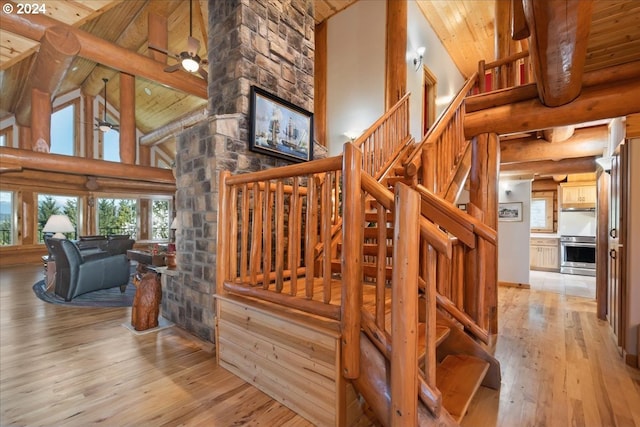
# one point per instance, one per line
(172, 68)
(203, 73)
(193, 45)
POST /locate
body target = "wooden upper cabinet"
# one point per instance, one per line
(578, 195)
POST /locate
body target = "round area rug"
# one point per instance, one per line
(103, 298)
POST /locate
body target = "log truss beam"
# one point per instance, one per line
(599, 102)
(550, 167)
(106, 53)
(584, 142)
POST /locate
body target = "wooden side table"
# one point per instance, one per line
(49, 273)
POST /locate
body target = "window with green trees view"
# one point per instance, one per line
(6, 210)
(49, 204)
(118, 216)
(160, 219)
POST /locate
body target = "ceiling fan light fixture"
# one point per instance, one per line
(190, 64)
(104, 128)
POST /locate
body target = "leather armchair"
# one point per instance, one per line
(77, 275)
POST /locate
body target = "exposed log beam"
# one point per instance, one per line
(58, 48)
(584, 142)
(550, 167)
(558, 133)
(89, 167)
(558, 43)
(595, 103)
(170, 130)
(628, 71)
(103, 52)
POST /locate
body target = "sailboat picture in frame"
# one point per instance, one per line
(279, 128)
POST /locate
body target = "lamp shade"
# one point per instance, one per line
(58, 224)
(174, 224)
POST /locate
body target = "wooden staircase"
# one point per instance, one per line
(362, 251)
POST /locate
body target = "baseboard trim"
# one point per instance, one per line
(515, 285)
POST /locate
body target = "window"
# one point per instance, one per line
(6, 215)
(159, 219)
(6, 137)
(49, 204)
(542, 212)
(111, 146)
(63, 135)
(118, 216)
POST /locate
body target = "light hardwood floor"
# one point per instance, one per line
(63, 366)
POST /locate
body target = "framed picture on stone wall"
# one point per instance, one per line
(279, 128)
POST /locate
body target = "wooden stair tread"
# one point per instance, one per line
(458, 378)
(442, 332)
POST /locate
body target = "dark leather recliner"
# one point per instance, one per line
(77, 275)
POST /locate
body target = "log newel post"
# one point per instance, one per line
(352, 232)
(404, 310)
(222, 255)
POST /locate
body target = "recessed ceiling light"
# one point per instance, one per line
(147, 91)
(75, 68)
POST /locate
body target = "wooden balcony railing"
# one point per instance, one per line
(514, 70)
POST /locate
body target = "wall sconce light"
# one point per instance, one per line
(58, 224)
(352, 134)
(417, 60)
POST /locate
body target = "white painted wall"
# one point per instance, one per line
(355, 70)
(513, 237)
(436, 59)
(633, 247)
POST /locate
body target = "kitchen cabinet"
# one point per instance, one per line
(544, 254)
(578, 195)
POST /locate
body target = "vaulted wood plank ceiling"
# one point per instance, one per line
(466, 28)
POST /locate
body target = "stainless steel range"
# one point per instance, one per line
(578, 255)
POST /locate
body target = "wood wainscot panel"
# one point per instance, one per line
(25, 254)
(289, 358)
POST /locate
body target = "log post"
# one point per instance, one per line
(89, 143)
(40, 121)
(483, 194)
(24, 137)
(404, 308)
(395, 60)
(127, 119)
(320, 84)
(352, 237)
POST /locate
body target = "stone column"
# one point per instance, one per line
(269, 44)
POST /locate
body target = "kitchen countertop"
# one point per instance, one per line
(545, 235)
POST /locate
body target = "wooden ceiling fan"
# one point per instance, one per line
(104, 125)
(189, 59)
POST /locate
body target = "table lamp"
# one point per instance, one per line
(58, 224)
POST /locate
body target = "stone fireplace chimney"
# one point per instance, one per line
(265, 43)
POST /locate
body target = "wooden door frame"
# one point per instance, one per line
(429, 92)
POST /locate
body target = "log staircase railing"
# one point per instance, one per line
(440, 151)
(270, 225)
